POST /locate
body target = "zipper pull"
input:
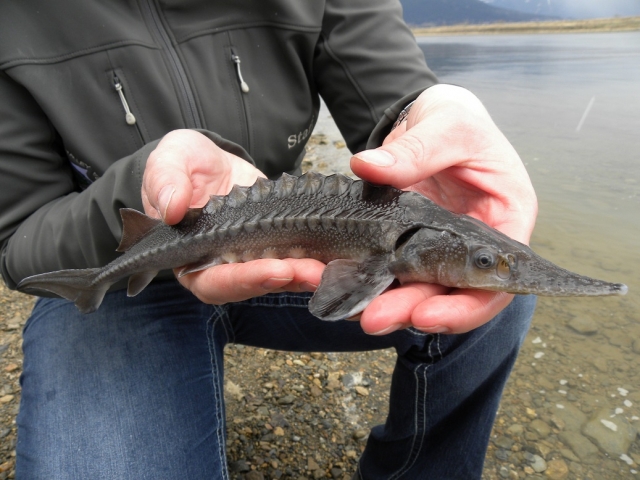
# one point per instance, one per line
(243, 85)
(128, 117)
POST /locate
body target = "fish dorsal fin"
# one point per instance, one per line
(190, 218)
(135, 225)
(348, 286)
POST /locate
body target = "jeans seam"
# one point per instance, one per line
(278, 300)
(419, 412)
(218, 315)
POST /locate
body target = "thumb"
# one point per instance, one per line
(166, 188)
(401, 162)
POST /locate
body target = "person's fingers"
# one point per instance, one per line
(459, 312)
(431, 309)
(394, 308)
(240, 281)
(185, 169)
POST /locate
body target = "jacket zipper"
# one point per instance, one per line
(244, 90)
(128, 116)
(243, 85)
(184, 88)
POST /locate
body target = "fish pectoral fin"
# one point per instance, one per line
(348, 286)
(139, 282)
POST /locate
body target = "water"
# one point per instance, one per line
(570, 104)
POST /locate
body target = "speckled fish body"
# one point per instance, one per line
(368, 236)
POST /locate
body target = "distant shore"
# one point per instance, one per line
(616, 24)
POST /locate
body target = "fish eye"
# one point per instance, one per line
(484, 259)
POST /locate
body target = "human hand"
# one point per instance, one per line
(449, 150)
(182, 172)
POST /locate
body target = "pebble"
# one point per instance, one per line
(239, 466)
(350, 380)
(12, 367)
(557, 469)
(312, 464)
(362, 391)
(536, 461)
(360, 434)
(286, 400)
(503, 442)
(540, 427)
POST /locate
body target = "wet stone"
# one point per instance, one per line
(286, 400)
(337, 472)
(612, 433)
(502, 454)
(583, 325)
(557, 469)
(503, 442)
(585, 450)
(571, 416)
(540, 427)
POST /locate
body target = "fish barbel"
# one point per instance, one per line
(367, 235)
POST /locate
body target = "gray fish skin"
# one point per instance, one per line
(368, 236)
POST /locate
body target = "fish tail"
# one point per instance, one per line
(77, 286)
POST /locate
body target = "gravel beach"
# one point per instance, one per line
(307, 415)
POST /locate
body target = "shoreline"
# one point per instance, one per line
(595, 25)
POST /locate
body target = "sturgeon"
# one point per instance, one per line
(367, 235)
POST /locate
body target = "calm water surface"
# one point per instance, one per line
(570, 104)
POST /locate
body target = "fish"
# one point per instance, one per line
(369, 236)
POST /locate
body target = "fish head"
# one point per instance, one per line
(470, 254)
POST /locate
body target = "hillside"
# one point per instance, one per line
(452, 12)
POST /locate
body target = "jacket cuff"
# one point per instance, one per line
(390, 116)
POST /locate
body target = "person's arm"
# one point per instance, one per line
(46, 223)
(450, 150)
(368, 66)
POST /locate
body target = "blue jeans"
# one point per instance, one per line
(135, 390)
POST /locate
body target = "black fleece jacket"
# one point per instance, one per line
(71, 71)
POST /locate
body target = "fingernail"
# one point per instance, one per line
(273, 283)
(391, 328)
(434, 329)
(308, 287)
(379, 158)
(164, 198)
